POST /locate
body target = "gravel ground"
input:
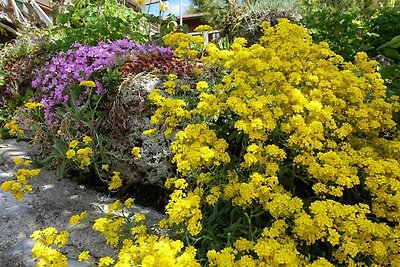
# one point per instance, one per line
(51, 203)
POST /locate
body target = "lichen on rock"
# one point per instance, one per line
(129, 117)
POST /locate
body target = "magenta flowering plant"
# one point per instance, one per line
(56, 78)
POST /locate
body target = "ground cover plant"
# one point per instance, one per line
(285, 154)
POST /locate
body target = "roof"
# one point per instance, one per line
(192, 16)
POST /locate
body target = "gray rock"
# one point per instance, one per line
(129, 117)
(52, 203)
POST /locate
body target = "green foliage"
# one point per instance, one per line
(391, 72)
(78, 121)
(346, 4)
(353, 30)
(88, 22)
(222, 15)
(385, 23)
(272, 4)
(344, 30)
(2, 73)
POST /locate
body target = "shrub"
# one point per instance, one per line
(346, 4)
(89, 22)
(278, 156)
(391, 70)
(353, 30)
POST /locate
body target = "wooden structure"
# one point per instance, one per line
(16, 15)
(194, 20)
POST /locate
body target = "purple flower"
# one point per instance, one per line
(99, 87)
(80, 63)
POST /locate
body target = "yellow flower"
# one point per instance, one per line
(203, 28)
(13, 128)
(6, 186)
(185, 87)
(73, 144)
(33, 105)
(105, 167)
(70, 154)
(27, 162)
(105, 261)
(19, 161)
(136, 152)
(180, 184)
(76, 219)
(116, 181)
(84, 256)
(87, 83)
(87, 140)
(140, 2)
(140, 217)
(163, 7)
(200, 86)
(61, 239)
(149, 132)
(129, 202)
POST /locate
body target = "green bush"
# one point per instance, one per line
(353, 30)
(89, 22)
(391, 71)
(345, 4)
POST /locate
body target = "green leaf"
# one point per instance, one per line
(388, 71)
(394, 43)
(391, 53)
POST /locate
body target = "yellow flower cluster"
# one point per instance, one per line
(140, 248)
(198, 147)
(348, 228)
(45, 248)
(81, 155)
(170, 111)
(288, 145)
(310, 137)
(13, 128)
(116, 181)
(149, 132)
(152, 251)
(203, 28)
(185, 45)
(169, 85)
(84, 256)
(33, 105)
(136, 152)
(110, 228)
(129, 202)
(162, 7)
(77, 218)
(21, 185)
(184, 209)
